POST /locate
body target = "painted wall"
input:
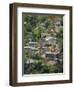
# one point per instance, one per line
(4, 46)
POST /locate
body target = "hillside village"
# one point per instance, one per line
(46, 49)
